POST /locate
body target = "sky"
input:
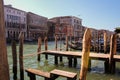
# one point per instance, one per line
(98, 14)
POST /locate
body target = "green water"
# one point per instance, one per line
(96, 73)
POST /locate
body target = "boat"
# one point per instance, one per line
(75, 46)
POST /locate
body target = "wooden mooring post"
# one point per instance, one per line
(113, 44)
(4, 68)
(39, 48)
(56, 57)
(55, 42)
(21, 41)
(46, 47)
(66, 43)
(85, 54)
(105, 42)
(14, 56)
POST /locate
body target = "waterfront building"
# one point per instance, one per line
(51, 30)
(68, 25)
(36, 26)
(15, 22)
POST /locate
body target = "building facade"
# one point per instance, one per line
(36, 26)
(51, 30)
(15, 22)
(67, 25)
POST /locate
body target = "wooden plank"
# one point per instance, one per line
(38, 72)
(63, 73)
(4, 68)
(85, 54)
(76, 54)
(116, 58)
(92, 55)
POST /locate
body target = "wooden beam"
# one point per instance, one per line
(85, 54)
(4, 68)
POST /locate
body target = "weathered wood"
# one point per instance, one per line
(14, 56)
(61, 59)
(56, 57)
(85, 54)
(68, 75)
(106, 66)
(39, 48)
(46, 47)
(79, 54)
(105, 42)
(38, 72)
(32, 76)
(55, 42)
(21, 42)
(112, 52)
(66, 43)
(75, 62)
(70, 61)
(4, 68)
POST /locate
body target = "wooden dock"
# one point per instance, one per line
(98, 56)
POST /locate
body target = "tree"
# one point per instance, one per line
(117, 30)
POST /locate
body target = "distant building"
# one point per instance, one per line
(68, 25)
(15, 22)
(36, 26)
(51, 30)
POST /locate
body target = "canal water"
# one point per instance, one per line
(96, 73)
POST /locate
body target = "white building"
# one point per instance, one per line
(15, 22)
